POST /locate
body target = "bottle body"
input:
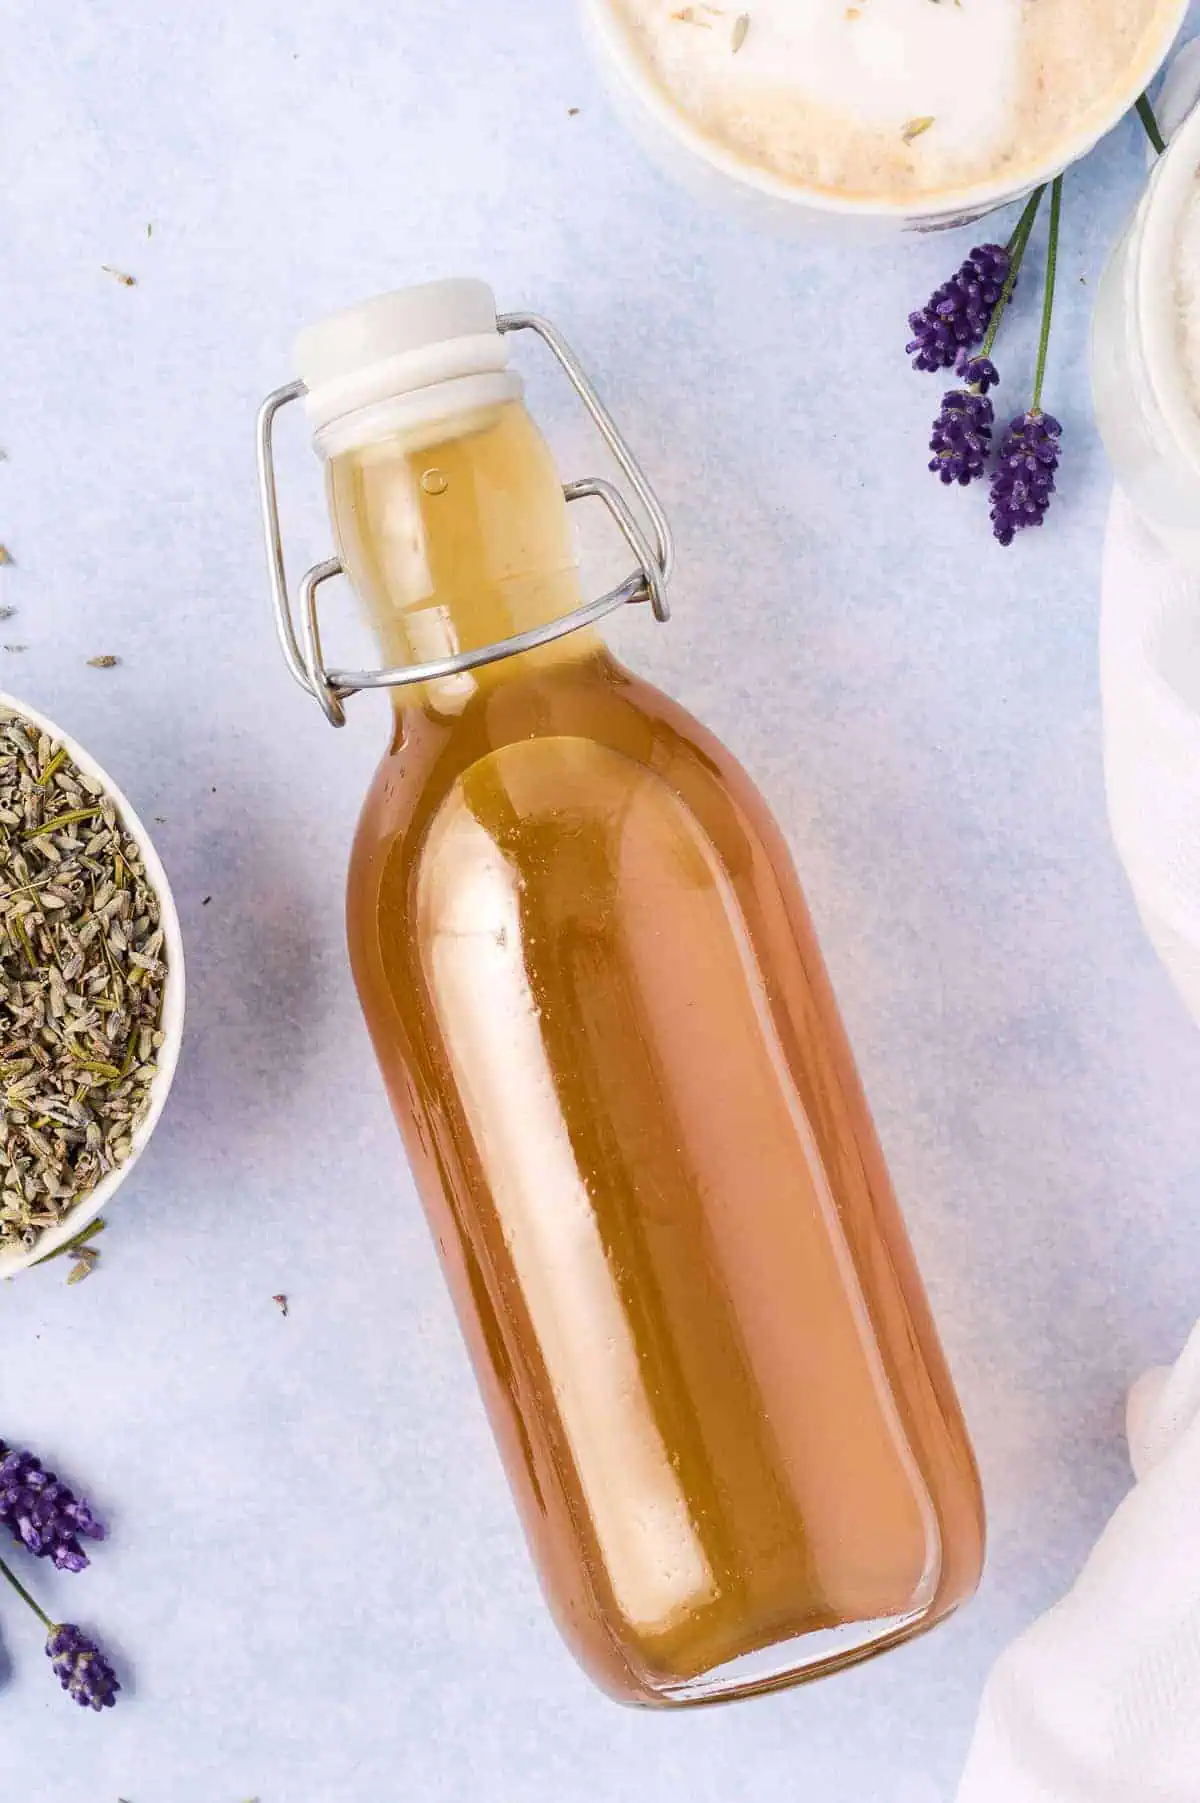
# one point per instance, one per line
(610, 1042)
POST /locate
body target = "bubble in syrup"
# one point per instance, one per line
(435, 482)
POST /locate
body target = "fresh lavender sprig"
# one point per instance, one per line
(962, 432)
(42, 1514)
(79, 1665)
(81, 1668)
(965, 310)
(978, 372)
(960, 311)
(1023, 480)
(961, 437)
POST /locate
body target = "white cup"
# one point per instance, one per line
(716, 174)
(1148, 422)
(90, 1206)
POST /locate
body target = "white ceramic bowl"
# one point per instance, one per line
(1150, 429)
(718, 175)
(88, 1207)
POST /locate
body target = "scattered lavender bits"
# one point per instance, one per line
(81, 1668)
(43, 1515)
(962, 436)
(960, 311)
(976, 372)
(1023, 480)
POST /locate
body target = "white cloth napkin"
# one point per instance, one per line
(1099, 1702)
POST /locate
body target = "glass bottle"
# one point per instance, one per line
(618, 1067)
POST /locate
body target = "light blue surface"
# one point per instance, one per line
(315, 1581)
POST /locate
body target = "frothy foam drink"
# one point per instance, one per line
(898, 100)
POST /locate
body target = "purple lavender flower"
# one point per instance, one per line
(962, 436)
(976, 372)
(960, 311)
(43, 1515)
(1023, 480)
(81, 1667)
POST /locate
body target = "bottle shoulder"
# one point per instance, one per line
(580, 741)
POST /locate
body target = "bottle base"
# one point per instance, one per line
(808, 1656)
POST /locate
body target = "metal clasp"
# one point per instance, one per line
(655, 553)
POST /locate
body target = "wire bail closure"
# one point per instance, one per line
(655, 554)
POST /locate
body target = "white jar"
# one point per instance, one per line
(1146, 418)
(718, 175)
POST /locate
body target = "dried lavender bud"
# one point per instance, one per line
(961, 438)
(43, 1515)
(977, 372)
(1023, 480)
(82, 979)
(960, 311)
(81, 1667)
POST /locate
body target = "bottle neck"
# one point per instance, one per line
(456, 536)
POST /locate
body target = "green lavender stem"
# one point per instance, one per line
(25, 1597)
(1145, 113)
(1016, 246)
(1048, 295)
(1028, 214)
